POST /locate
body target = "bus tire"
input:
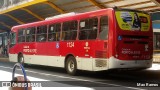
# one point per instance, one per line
(71, 65)
(21, 59)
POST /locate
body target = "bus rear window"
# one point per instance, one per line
(103, 34)
(133, 21)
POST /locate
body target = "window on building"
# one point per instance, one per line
(103, 34)
(156, 41)
(41, 34)
(69, 31)
(54, 32)
(21, 35)
(88, 29)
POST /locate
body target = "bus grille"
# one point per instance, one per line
(101, 63)
(101, 54)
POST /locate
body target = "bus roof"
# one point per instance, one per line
(60, 19)
(70, 17)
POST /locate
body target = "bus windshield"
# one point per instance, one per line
(133, 21)
(12, 39)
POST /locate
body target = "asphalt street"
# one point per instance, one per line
(106, 80)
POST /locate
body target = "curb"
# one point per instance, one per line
(4, 59)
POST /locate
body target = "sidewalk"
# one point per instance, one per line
(156, 58)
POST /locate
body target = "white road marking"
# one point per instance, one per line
(155, 67)
(116, 85)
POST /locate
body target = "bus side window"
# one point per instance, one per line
(103, 34)
(88, 29)
(69, 31)
(66, 31)
(73, 29)
(94, 28)
(33, 32)
(21, 35)
(30, 34)
(54, 32)
(41, 34)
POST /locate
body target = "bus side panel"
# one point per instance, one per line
(88, 53)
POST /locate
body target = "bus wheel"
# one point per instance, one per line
(71, 66)
(21, 59)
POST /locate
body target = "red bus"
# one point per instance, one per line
(99, 40)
